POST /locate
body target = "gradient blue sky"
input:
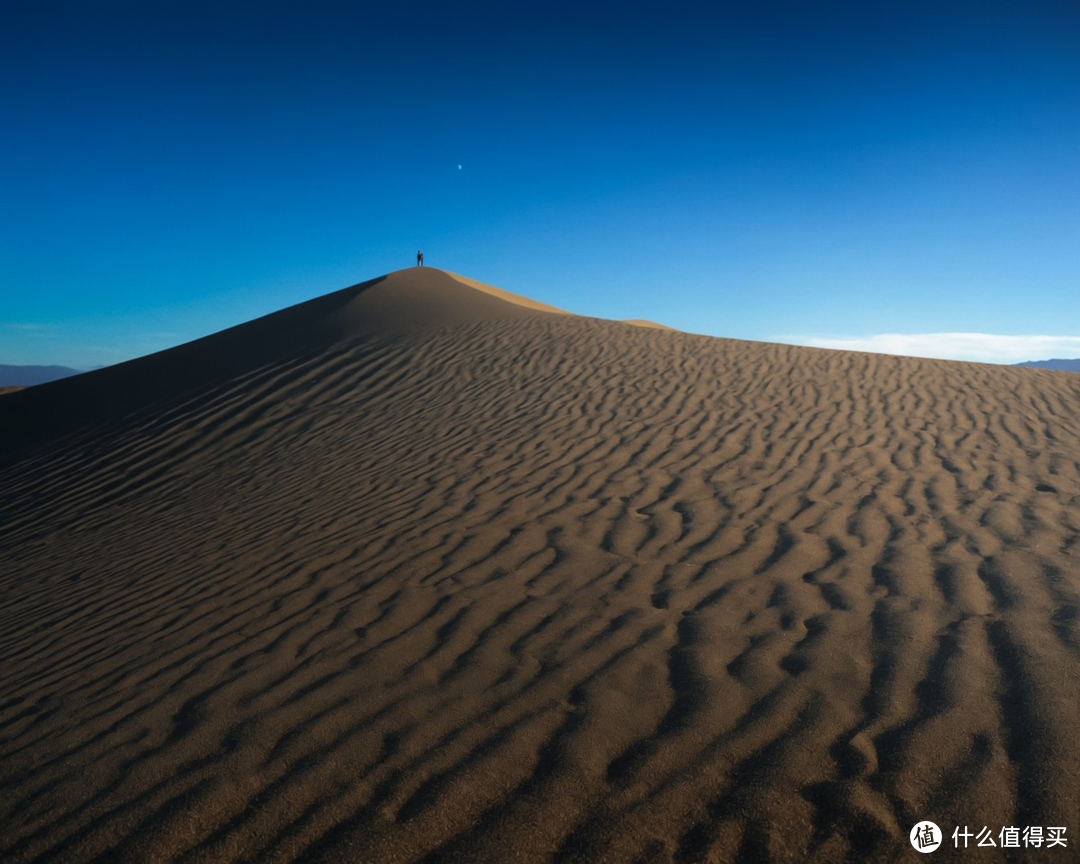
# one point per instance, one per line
(785, 171)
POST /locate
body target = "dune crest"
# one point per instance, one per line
(508, 296)
(642, 322)
(412, 573)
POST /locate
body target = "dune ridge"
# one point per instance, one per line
(508, 296)
(502, 585)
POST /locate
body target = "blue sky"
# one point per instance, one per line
(877, 175)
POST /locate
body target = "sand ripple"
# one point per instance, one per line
(546, 589)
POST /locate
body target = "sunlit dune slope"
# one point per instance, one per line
(413, 572)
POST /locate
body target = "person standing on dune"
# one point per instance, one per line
(419, 258)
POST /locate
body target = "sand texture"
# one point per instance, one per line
(416, 572)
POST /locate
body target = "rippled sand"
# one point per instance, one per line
(414, 573)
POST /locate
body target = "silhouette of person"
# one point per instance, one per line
(419, 258)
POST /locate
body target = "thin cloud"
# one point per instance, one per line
(977, 347)
(26, 326)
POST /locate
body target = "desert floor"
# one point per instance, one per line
(416, 572)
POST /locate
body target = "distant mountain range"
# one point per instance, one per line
(1063, 365)
(28, 376)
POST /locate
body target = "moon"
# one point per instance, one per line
(458, 167)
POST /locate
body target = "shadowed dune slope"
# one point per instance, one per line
(403, 575)
(405, 301)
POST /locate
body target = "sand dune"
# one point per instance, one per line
(413, 572)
